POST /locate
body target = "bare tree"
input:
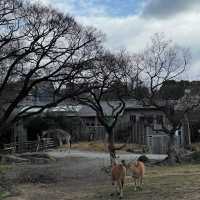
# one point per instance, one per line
(39, 44)
(106, 98)
(160, 62)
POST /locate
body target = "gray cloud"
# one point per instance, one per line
(181, 24)
(168, 8)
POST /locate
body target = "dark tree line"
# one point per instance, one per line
(160, 64)
(107, 99)
(39, 44)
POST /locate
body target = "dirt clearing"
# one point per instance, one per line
(83, 179)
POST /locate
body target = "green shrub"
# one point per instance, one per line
(143, 158)
(196, 156)
(3, 195)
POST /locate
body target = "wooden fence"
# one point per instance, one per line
(31, 146)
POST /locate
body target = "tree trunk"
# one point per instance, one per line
(173, 155)
(111, 147)
(187, 132)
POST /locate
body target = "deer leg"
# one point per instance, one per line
(69, 144)
(141, 182)
(60, 143)
(66, 143)
(135, 181)
(37, 147)
(116, 189)
(120, 189)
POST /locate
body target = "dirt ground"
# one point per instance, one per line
(84, 179)
(63, 179)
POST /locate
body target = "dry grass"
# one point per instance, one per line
(4, 186)
(90, 146)
(4, 168)
(99, 146)
(161, 183)
(181, 182)
(195, 147)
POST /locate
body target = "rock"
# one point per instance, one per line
(143, 158)
(9, 159)
(37, 157)
(192, 157)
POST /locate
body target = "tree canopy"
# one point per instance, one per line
(40, 44)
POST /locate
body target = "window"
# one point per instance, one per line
(90, 124)
(133, 118)
(142, 119)
(149, 119)
(159, 119)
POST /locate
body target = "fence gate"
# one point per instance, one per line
(96, 132)
(158, 144)
(32, 146)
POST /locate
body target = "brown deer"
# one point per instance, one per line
(137, 169)
(118, 174)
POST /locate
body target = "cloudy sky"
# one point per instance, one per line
(130, 23)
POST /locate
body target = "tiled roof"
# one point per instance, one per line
(86, 111)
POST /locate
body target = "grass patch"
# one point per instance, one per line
(3, 190)
(4, 168)
(88, 146)
(3, 195)
(99, 146)
(195, 146)
(160, 183)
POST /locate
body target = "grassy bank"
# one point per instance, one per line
(99, 146)
(3, 191)
(161, 183)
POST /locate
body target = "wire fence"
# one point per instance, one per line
(30, 146)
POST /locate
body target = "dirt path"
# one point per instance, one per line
(82, 178)
(101, 155)
(69, 177)
(64, 179)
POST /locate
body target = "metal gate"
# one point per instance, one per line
(31, 146)
(158, 144)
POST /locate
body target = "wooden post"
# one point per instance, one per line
(187, 133)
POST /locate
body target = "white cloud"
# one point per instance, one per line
(134, 32)
(61, 5)
(45, 2)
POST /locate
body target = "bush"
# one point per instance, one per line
(196, 156)
(195, 147)
(145, 149)
(143, 158)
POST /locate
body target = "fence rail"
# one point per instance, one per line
(31, 146)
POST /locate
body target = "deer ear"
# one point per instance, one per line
(123, 162)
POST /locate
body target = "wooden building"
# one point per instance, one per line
(136, 122)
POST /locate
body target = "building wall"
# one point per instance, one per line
(91, 129)
(133, 124)
(141, 133)
(20, 133)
